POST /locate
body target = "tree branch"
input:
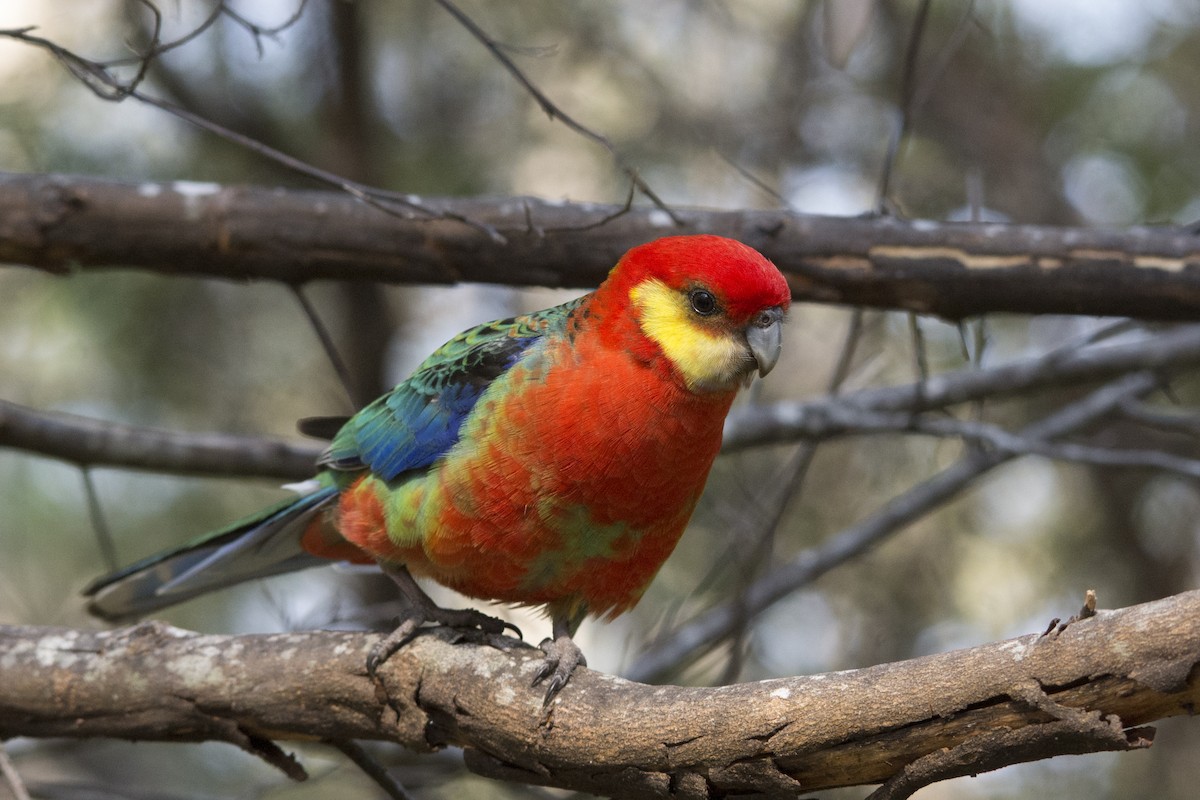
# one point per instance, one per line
(1090, 684)
(955, 270)
(823, 417)
(86, 441)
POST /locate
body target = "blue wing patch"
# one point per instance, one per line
(411, 426)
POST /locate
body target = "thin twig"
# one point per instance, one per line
(757, 182)
(108, 548)
(258, 31)
(551, 109)
(392, 203)
(221, 9)
(841, 370)
(907, 92)
(958, 36)
(913, 95)
(1001, 440)
(1154, 417)
(161, 48)
(11, 776)
(919, 350)
(328, 345)
(607, 218)
(372, 768)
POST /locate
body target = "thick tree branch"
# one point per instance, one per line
(954, 270)
(1081, 690)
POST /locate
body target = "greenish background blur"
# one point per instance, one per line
(1074, 113)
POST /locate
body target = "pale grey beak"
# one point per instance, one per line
(765, 337)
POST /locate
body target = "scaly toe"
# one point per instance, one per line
(562, 657)
(386, 647)
(470, 618)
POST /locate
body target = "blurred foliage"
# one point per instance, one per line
(1060, 113)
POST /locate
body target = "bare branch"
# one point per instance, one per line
(863, 726)
(835, 420)
(1179, 422)
(1001, 440)
(85, 441)
(372, 769)
(955, 270)
(749, 426)
(12, 777)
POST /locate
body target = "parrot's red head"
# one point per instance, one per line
(712, 306)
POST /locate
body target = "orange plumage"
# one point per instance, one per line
(579, 467)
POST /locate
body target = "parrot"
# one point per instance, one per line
(549, 460)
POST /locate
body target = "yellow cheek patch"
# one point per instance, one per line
(707, 359)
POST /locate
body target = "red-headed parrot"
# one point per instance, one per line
(552, 459)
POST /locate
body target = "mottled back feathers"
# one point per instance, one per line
(418, 421)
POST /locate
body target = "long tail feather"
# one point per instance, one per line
(267, 543)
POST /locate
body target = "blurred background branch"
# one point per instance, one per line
(90, 442)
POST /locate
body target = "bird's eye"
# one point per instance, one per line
(703, 302)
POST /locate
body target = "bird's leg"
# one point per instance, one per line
(422, 609)
(562, 656)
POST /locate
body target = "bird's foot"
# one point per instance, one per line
(470, 624)
(562, 657)
(421, 609)
(386, 647)
(468, 619)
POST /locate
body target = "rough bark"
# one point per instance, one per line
(908, 723)
(954, 270)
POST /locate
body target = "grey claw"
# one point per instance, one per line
(562, 657)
